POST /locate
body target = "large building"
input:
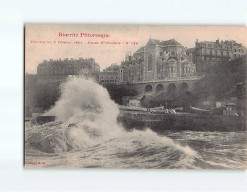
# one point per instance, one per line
(110, 74)
(206, 53)
(58, 70)
(157, 60)
(109, 77)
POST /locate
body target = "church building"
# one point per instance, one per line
(157, 60)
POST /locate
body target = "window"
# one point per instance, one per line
(150, 62)
(160, 68)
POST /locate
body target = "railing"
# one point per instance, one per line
(171, 79)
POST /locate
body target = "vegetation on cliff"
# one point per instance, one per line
(221, 78)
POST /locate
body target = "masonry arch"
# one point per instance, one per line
(148, 89)
(171, 89)
(184, 87)
(159, 88)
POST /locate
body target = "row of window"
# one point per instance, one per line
(107, 77)
(57, 70)
(135, 72)
(204, 58)
(239, 50)
(108, 81)
(215, 58)
(173, 69)
(235, 50)
(219, 53)
(220, 46)
(52, 76)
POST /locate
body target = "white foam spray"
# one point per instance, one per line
(88, 106)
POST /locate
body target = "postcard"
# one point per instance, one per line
(135, 96)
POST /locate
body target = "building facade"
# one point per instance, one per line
(109, 77)
(206, 53)
(58, 70)
(157, 60)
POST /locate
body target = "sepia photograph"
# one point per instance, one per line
(123, 96)
(135, 96)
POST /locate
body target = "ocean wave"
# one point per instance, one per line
(86, 130)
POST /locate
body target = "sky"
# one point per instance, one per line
(41, 40)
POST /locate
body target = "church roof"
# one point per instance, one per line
(141, 49)
(160, 43)
(169, 42)
(156, 41)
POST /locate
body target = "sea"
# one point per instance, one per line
(86, 134)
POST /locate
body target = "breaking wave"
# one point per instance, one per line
(87, 117)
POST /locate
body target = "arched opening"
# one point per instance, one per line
(171, 89)
(148, 89)
(150, 62)
(159, 88)
(184, 87)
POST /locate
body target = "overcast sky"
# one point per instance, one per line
(104, 54)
